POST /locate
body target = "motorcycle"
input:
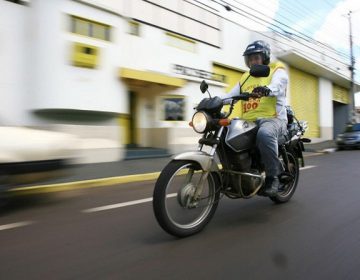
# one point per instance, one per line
(188, 190)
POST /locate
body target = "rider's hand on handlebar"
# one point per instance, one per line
(261, 91)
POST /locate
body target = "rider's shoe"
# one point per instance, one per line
(272, 185)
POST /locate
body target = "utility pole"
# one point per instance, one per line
(351, 68)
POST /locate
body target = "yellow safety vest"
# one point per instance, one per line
(259, 108)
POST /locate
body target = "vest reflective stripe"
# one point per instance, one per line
(262, 107)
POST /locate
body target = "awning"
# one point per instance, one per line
(305, 64)
(151, 77)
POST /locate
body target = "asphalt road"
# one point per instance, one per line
(67, 236)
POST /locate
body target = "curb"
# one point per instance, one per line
(321, 151)
(330, 150)
(105, 182)
(86, 184)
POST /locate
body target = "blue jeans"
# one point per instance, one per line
(270, 130)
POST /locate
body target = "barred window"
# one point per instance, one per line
(174, 108)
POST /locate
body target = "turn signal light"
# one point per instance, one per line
(224, 122)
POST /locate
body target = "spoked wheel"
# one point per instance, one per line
(179, 208)
(288, 187)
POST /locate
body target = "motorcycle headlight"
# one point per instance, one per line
(200, 122)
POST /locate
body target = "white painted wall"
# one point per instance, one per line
(177, 16)
(36, 48)
(316, 53)
(13, 71)
(57, 84)
(234, 42)
(326, 115)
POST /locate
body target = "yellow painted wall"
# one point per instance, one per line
(304, 96)
(124, 122)
(340, 94)
(232, 78)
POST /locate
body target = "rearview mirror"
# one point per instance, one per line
(259, 71)
(203, 86)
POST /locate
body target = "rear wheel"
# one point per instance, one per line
(288, 188)
(176, 207)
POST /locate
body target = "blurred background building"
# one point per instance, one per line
(124, 75)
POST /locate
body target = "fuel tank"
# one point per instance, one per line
(241, 135)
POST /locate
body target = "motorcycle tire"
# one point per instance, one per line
(289, 189)
(164, 198)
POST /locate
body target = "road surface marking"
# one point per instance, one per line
(123, 204)
(15, 225)
(117, 205)
(307, 167)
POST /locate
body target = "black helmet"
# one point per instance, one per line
(258, 47)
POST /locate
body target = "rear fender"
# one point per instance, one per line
(207, 162)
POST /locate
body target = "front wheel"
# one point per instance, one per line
(176, 207)
(288, 189)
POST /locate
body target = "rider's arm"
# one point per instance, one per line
(278, 83)
(234, 92)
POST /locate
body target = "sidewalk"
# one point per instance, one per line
(321, 147)
(125, 171)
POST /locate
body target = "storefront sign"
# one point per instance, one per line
(198, 73)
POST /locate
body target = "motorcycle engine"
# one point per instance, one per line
(242, 162)
(245, 184)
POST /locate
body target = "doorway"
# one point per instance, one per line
(131, 128)
(341, 114)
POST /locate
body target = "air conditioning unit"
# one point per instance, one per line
(85, 55)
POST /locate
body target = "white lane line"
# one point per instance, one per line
(307, 167)
(139, 201)
(15, 225)
(119, 205)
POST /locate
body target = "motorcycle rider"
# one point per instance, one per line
(268, 111)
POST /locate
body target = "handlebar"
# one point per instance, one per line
(244, 96)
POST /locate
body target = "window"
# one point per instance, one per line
(180, 42)
(90, 28)
(174, 108)
(134, 28)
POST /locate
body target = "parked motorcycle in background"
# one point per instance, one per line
(189, 188)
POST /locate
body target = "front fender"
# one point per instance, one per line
(206, 162)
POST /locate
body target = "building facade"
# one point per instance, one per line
(126, 74)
